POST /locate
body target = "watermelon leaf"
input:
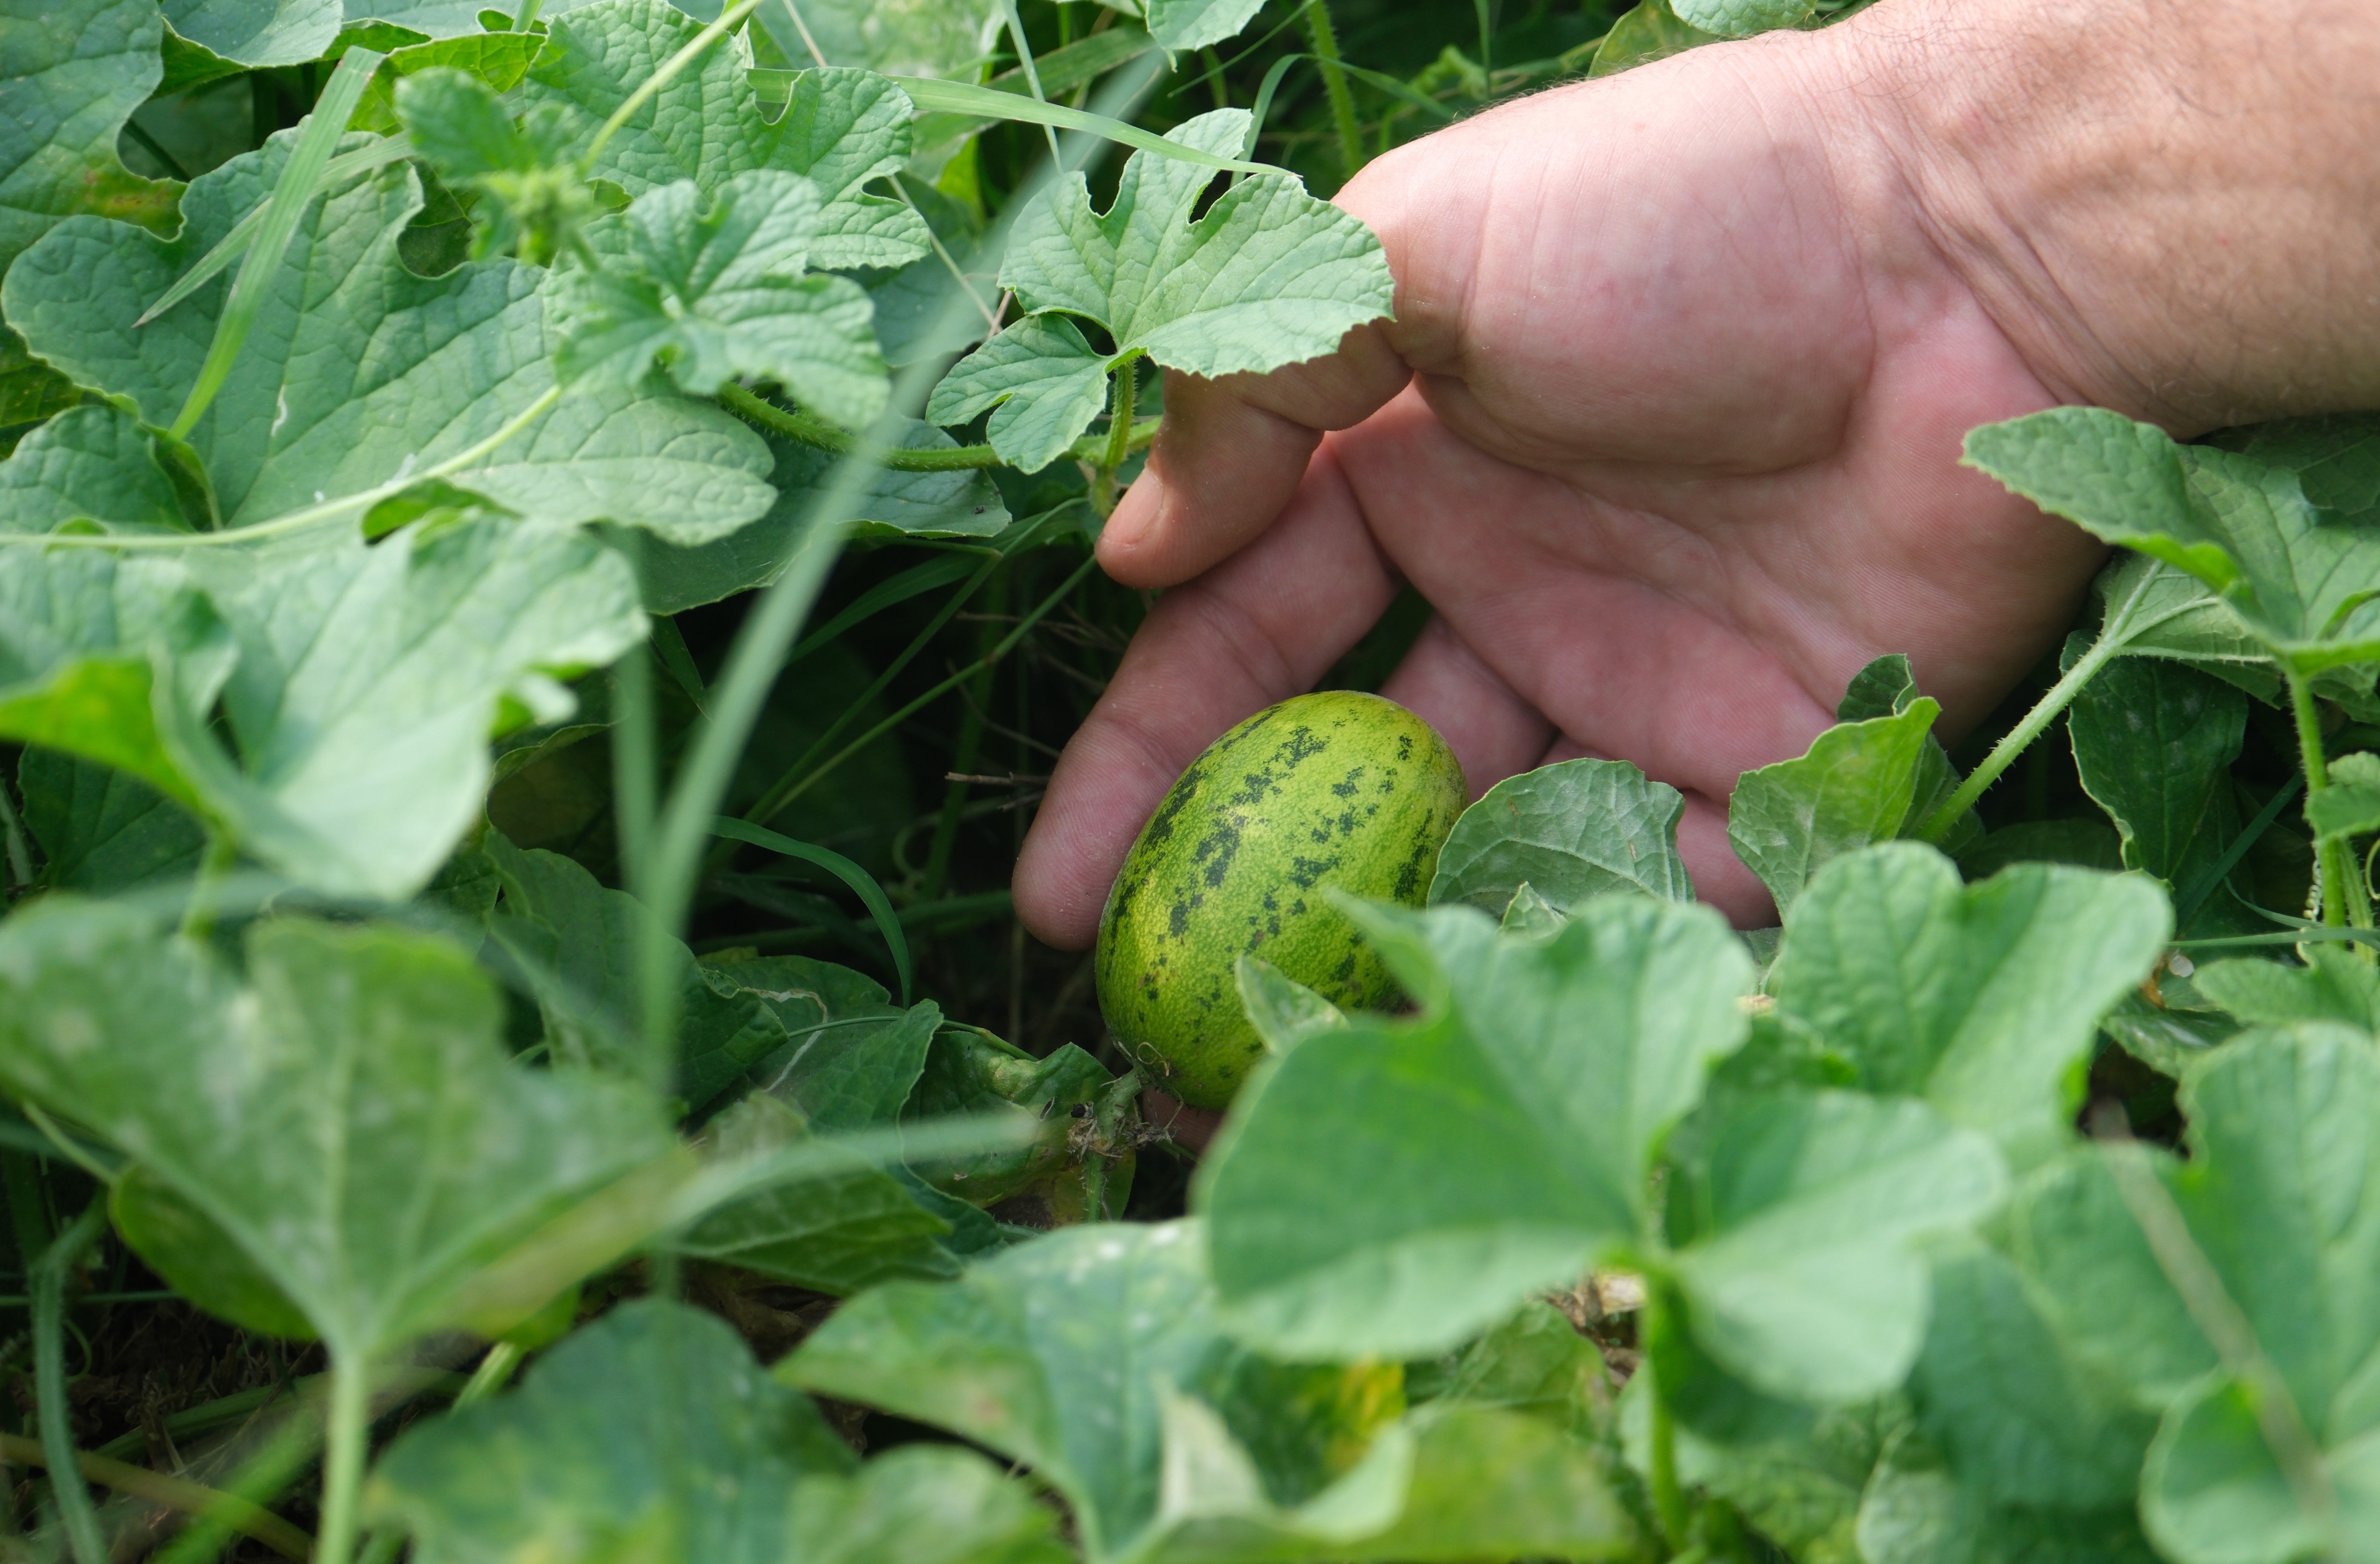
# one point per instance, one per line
(1268, 276)
(1095, 1356)
(1569, 830)
(456, 359)
(842, 128)
(1983, 1000)
(75, 71)
(711, 286)
(2262, 1238)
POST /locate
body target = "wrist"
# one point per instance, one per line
(2174, 212)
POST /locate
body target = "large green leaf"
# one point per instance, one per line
(439, 18)
(99, 829)
(1801, 1217)
(652, 1435)
(578, 947)
(2280, 1202)
(1549, 1069)
(841, 128)
(356, 371)
(1984, 1000)
(70, 75)
(1569, 830)
(251, 34)
(89, 464)
(79, 631)
(1095, 1356)
(2016, 1417)
(1649, 31)
(345, 1116)
(2299, 578)
(839, 1234)
(1918, 1510)
(370, 678)
(711, 286)
(1268, 276)
(653, 1423)
(1857, 785)
(2153, 742)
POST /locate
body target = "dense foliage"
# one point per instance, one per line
(524, 535)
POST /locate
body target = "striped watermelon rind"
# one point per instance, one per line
(1333, 790)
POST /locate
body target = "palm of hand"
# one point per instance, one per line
(1676, 457)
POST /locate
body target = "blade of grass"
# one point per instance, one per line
(985, 103)
(1024, 64)
(49, 1272)
(234, 245)
(862, 883)
(190, 1499)
(301, 178)
(2197, 893)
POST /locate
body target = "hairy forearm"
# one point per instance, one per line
(2172, 208)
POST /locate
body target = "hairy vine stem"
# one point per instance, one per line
(2345, 903)
(1334, 85)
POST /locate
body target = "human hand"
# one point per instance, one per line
(1666, 430)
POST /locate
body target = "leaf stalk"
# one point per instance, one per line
(2114, 636)
(343, 1459)
(49, 1272)
(2345, 903)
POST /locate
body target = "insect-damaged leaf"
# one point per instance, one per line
(2280, 1203)
(1095, 1356)
(1268, 276)
(711, 284)
(357, 372)
(345, 1116)
(1569, 830)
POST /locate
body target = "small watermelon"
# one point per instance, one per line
(1337, 790)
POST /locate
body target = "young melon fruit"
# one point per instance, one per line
(1337, 790)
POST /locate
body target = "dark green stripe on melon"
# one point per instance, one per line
(1331, 790)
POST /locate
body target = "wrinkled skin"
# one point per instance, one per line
(1666, 429)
